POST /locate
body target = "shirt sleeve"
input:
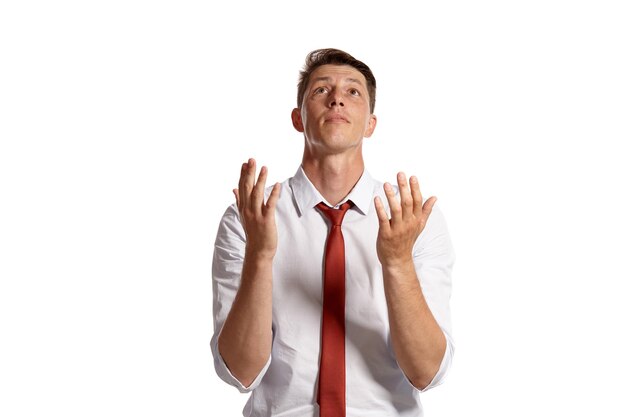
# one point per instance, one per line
(228, 254)
(434, 257)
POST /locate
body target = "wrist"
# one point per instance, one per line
(398, 266)
(259, 257)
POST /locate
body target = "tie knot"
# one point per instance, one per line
(335, 215)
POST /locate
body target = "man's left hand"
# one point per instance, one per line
(396, 236)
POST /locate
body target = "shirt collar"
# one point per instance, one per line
(307, 197)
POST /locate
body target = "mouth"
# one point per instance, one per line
(336, 118)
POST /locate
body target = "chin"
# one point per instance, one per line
(341, 143)
(335, 140)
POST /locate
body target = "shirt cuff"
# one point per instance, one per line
(224, 373)
(443, 367)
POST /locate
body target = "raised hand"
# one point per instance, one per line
(396, 236)
(257, 216)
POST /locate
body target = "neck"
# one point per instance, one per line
(334, 176)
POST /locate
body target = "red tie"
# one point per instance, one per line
(331, 394)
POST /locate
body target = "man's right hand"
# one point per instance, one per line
(257, 216)
(245, 341)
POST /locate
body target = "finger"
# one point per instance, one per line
(383, 219)
(258, 191)
(428, 208)
(248, 180)
(242, 177)
(394, 205)
(272, 199)
(236, 192)
(406, 200)
(417, 196)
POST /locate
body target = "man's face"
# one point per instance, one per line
(335, 113)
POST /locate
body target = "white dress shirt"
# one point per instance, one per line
(375, 384)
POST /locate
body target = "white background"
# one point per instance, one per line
(123, 125)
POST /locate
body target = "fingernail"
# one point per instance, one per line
(414, 180)
(401, 176)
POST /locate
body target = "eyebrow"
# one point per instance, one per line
(353, 80)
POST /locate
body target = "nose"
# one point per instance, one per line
(335, 99)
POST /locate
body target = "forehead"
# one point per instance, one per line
(337, 72)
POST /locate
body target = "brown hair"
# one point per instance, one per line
(332, 56)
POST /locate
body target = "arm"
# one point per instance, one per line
(418, 341)
(246, 337)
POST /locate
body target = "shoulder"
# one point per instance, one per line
(230, 225)
(435, 238)
(437, 217)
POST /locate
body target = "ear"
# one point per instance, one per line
(371, 125)
(296, 120)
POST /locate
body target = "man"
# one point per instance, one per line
(332, 309)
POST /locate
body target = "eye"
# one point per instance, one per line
(320, 90)
(354, 92)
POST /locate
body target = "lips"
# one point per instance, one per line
(336, 118)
